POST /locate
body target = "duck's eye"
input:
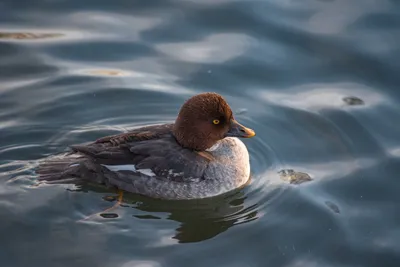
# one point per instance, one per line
(216, 122)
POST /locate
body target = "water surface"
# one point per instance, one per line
(317, 80)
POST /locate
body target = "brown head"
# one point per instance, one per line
(205, 119)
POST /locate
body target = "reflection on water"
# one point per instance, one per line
(316, 80)
(203, 220)
(214, 49)
(198, 219)
(315, 97)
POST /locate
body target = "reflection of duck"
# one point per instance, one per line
(208, 218)
(196, 157)
(199, 219)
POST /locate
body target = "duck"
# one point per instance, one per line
(198, 156)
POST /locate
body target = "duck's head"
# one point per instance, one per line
(204, 119)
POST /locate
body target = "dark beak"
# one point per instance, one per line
(238, 130)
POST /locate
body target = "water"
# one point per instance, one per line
(317, 80)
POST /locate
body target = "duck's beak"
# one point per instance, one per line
(238, 130)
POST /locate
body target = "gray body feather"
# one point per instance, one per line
(150, 162)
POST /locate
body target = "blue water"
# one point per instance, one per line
(317, 80)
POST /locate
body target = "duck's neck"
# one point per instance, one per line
(191, 139)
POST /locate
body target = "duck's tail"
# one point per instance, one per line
(60, 169)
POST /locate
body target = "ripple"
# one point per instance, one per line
(137, 263)
(335, 16)
(214, 48)
(112, 24)
(395, 151)
(320, 96)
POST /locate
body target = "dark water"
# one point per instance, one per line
(317, 80)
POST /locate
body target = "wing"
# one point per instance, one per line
(166, 158)
(152, 149)
(143, 133)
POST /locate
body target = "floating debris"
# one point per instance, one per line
(28, 35)
(294, 177)
(332, 206)
(353, 101)
(109, 215)
(105, 72)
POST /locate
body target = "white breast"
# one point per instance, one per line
(231, 163)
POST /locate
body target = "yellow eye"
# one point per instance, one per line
(216, 121)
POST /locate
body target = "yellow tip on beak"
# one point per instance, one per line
(238, 130)
(249, 132)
